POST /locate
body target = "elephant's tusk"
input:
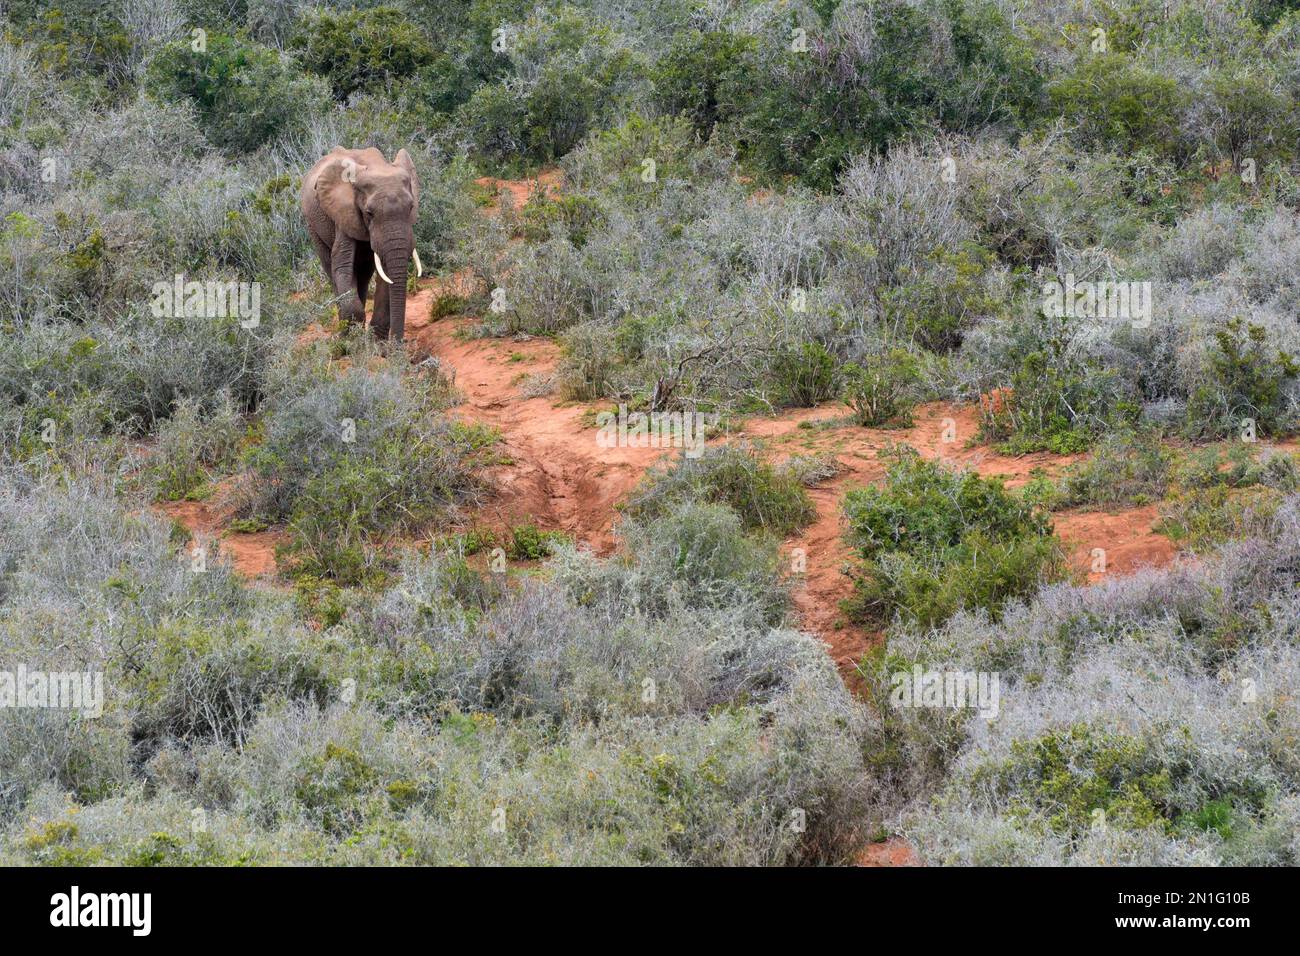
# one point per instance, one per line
(419, 269)
(380, 267)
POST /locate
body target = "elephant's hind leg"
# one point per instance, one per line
(326, 261)
(322, 253)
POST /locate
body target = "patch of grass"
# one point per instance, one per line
(1203, 519)
(352, 462)
(193, 445)
(1225, 492)
(248, 525)
(1082, 774)
(530, 543)
(810, 470)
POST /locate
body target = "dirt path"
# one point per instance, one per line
(557, 476)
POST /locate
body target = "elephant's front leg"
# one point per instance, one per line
(364, 269)
(379, 318)
(343, 275)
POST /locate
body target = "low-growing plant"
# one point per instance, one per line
(763, 496)
(449, 303)
(1126, 468)
(1202, 519)
(1248, 379)
(1055, 401)
(192, 445)
(530, 543)
(805, 375)
(935, 541)
(810, 470)
(354, 459)
(882, 389)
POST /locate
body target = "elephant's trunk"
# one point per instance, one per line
(397, 302)
(394, 255)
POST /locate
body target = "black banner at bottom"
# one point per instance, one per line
(336, 906)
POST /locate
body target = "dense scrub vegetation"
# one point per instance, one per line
(935, 541)
(765, 205)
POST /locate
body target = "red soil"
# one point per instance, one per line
(547, 182)
(892, 852)
(1125, 536)
(556, 476)
(251, 554)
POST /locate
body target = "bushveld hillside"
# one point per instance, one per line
(825, 433)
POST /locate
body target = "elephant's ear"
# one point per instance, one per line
(403, 161)
(337, 191)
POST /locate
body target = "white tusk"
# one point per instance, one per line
(419, 269)
(380, 266)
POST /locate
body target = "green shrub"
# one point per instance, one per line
(587, 366)
(1203, 519)
(574, 217)
(446, 304)
(1117, 103)
(245, 94)
(1072, 775)
(78, 38)
(697, 556)
(530, 543)
(688, 77)
(804, 375)
(192, 445)
(362, 49)
(354, 459)
(572, 74)
(868, 82)
(978, 572)
(1059, 399)
(1247, 378)
(934, 541)
(1236, 464)
(763, 496)
(883, 389)
(1126, 468)
(333, 787)
(949, 297)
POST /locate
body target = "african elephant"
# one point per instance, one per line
(360, 211)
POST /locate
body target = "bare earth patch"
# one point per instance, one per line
(252, 554)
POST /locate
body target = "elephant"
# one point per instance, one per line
(360, 210)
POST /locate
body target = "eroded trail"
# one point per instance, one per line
(558, 477)
(555, 474)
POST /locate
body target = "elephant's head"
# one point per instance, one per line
(378, 203)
